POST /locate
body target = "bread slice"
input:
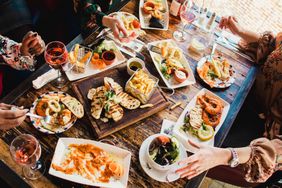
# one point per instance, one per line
(98, 100)
(110, 84)
(128, 101)
(74, 106)
(115, 111)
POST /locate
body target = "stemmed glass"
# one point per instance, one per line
(187, 15)
(56, 55)
(26, 150)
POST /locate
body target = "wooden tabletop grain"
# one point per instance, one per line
(129, 138)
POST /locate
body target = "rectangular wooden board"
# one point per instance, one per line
(130, 117)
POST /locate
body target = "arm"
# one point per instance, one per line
(20, 55)
(259, 157)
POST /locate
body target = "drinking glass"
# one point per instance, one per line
(25, 151)
(56, 55)
(187, 15)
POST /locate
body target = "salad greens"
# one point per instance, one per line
(164, 150)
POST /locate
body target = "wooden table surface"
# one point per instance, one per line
(131, 137)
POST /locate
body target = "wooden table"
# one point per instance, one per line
(131, 137)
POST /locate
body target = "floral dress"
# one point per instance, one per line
(267, 52)
(10, 55)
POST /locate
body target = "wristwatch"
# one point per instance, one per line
(235, 159)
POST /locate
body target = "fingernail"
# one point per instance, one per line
(26, 110)
(34, 35)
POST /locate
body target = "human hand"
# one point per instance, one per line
(117, 27)
(10, 118)
(230, 23)
(206, 158)
(32, 44)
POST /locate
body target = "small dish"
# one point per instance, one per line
(181, 75)
(161, 176)
(133, 64)
(109, 57)
(163, 145)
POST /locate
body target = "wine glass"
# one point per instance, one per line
(25, 151)
(187, 15)
(56, 55)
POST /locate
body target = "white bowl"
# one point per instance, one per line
(134, 59)
(157, 166)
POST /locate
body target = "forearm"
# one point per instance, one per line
(249, 36)
(224, 155)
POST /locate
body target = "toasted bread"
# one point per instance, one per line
(111, 84)
(98, 100)
(74, 106)
(115, 111)
(128, 101)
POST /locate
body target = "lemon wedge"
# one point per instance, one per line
(205, 132)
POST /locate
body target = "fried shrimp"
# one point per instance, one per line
(212, 120)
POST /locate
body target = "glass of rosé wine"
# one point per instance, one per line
(26, 151)
(187, 15)
(56, 55)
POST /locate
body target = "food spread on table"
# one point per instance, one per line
(216, 71)
(60, 107)
(202, 119)
(90, 162)
(108, 100)
(154, 14)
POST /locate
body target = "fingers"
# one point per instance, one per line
(10, 123)
(188, 160)
(189, 168)
(195, 145)
(121, 28)
(12, 114)
(189, 174)
(28, 38)
(4, 106)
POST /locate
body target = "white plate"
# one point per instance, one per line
(145, 22)
(124, 158)
(218, 83)
(89, 69)
(183, 136)
(41, 125)
(171, 83)
(160, 176)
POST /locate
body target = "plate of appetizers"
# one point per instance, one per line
(171, 64)
(114, 100)
(159, 156)
(217, 72)
(131, 24)
(62, 109)
(91, 163)
(154, 14)
(201, 119)
(103, 57)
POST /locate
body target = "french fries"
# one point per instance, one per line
(79, 56)
(141, 86)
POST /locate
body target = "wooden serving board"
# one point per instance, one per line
(130, 117)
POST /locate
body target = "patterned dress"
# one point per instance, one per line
(267, 52)
(10, 55)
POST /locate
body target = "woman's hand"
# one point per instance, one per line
(232, 24)
(32, 44)
(117, 27)
(10, 118)
(206, 158)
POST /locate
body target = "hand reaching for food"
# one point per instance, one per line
(206, 158)
(11, 118)
(118, 29)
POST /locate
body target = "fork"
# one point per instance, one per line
(47, 118)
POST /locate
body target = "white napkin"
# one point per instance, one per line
(167, 127)
(45, 78)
